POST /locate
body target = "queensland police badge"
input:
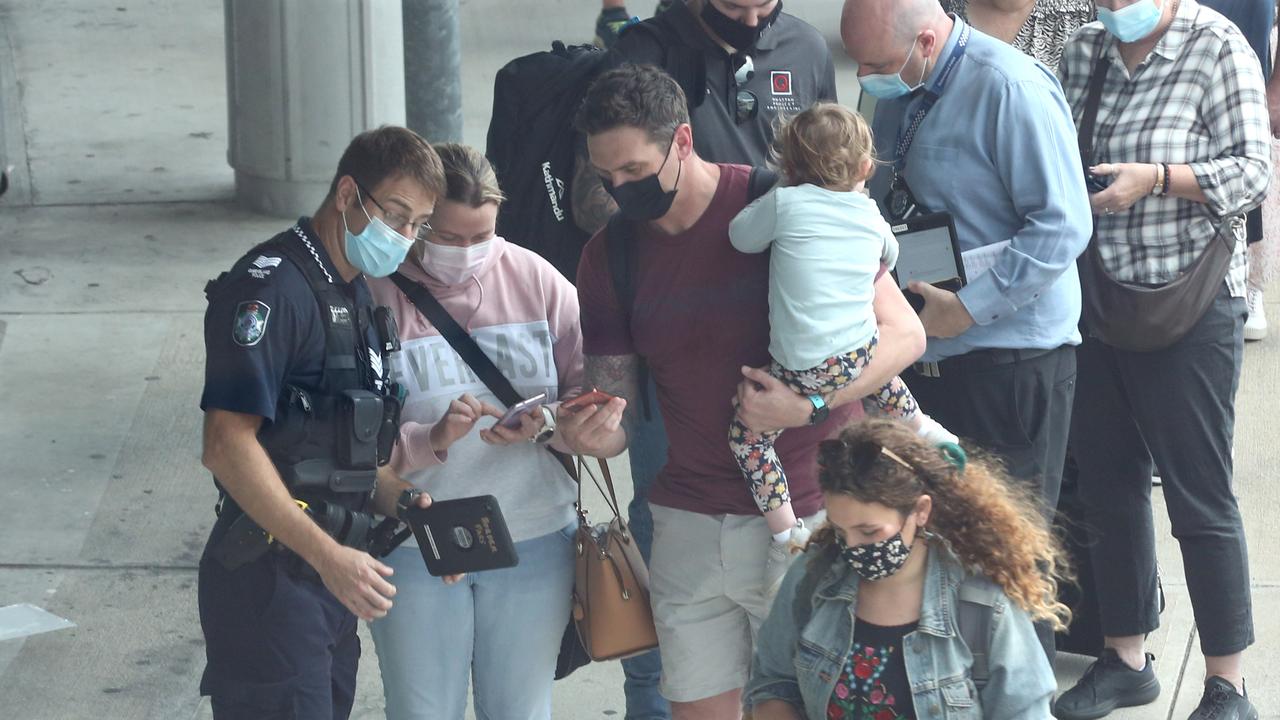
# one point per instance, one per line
(250, 322)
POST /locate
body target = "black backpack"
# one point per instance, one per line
(976, 595)
(533, 145)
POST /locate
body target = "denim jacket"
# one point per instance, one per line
(801, 668)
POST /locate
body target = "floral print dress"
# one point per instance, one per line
(873, 683)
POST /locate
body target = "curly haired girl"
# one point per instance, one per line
(913, 531)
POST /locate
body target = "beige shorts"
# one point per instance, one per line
(706, 580)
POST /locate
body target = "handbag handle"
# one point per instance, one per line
(610, 497)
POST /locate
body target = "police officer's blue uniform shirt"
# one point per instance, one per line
(998, 151)
(263, 328)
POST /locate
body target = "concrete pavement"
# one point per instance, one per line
(115, 114)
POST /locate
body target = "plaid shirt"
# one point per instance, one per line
(1198, 99)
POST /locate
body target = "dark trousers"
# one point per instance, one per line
(279, 645)
(1019, 409)
(1016, 404)
(1178, 403)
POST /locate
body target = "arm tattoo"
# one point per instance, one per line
(592, 206)
(617, 375)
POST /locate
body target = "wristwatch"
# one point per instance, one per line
(548, 430)
(820, 410)
(408, 498)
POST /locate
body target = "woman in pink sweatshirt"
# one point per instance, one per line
(500, 628)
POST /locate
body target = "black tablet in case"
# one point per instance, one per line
(929, 252)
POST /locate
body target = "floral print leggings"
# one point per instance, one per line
(755, 453)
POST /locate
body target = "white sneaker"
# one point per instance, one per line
(932, 430)
(1255, 327)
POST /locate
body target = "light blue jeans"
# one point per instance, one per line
(501, 629)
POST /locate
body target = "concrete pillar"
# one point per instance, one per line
(303, 78)
(433, 69)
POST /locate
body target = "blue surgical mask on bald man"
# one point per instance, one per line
(887, 86)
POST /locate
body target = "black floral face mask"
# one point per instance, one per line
(878, 560)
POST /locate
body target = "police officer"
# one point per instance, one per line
(299, 421)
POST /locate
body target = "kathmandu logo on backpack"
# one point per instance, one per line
(555, 190)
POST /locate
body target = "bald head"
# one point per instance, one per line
(877, 33)
(898, 19)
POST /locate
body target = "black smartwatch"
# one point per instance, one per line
(820, 410)
(408, 498)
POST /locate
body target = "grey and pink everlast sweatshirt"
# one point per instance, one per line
(524, 315)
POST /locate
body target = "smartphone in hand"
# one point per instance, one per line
(511, 419)
(1097, 183)
(594, 397)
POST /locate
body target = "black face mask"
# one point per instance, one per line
(644, 199)
(740, 37)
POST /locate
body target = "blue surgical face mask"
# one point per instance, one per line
(378, 250)
(887, 86)
(1133, 22)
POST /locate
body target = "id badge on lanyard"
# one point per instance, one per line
(902, 204)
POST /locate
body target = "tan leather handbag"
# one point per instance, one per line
(611, 583)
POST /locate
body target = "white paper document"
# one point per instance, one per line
(18, 621)
(980, 260)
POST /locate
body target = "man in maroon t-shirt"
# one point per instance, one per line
(700, 321)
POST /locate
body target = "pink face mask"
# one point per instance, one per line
(451, 264)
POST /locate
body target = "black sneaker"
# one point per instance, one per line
(1221, 702)
(609, 24)
(1107, 684)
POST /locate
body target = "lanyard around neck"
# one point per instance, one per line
(931, 97)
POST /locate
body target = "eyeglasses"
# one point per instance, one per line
(747, 106)
(396, 221)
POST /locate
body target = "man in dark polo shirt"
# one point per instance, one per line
(700, 322)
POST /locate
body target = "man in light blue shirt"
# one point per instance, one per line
(972, 127)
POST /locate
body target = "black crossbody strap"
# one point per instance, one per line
(458, 339)
(466, 347)
(1099, 78)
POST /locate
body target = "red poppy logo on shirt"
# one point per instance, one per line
(780, 81)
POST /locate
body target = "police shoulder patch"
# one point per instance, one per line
(261, 267)
(250, 322)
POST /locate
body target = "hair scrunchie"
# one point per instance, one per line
(954, 454)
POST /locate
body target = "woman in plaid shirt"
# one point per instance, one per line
(1181, 140)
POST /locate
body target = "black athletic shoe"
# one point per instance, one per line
(1221, 702)
(1107, 684)
(610, 22)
